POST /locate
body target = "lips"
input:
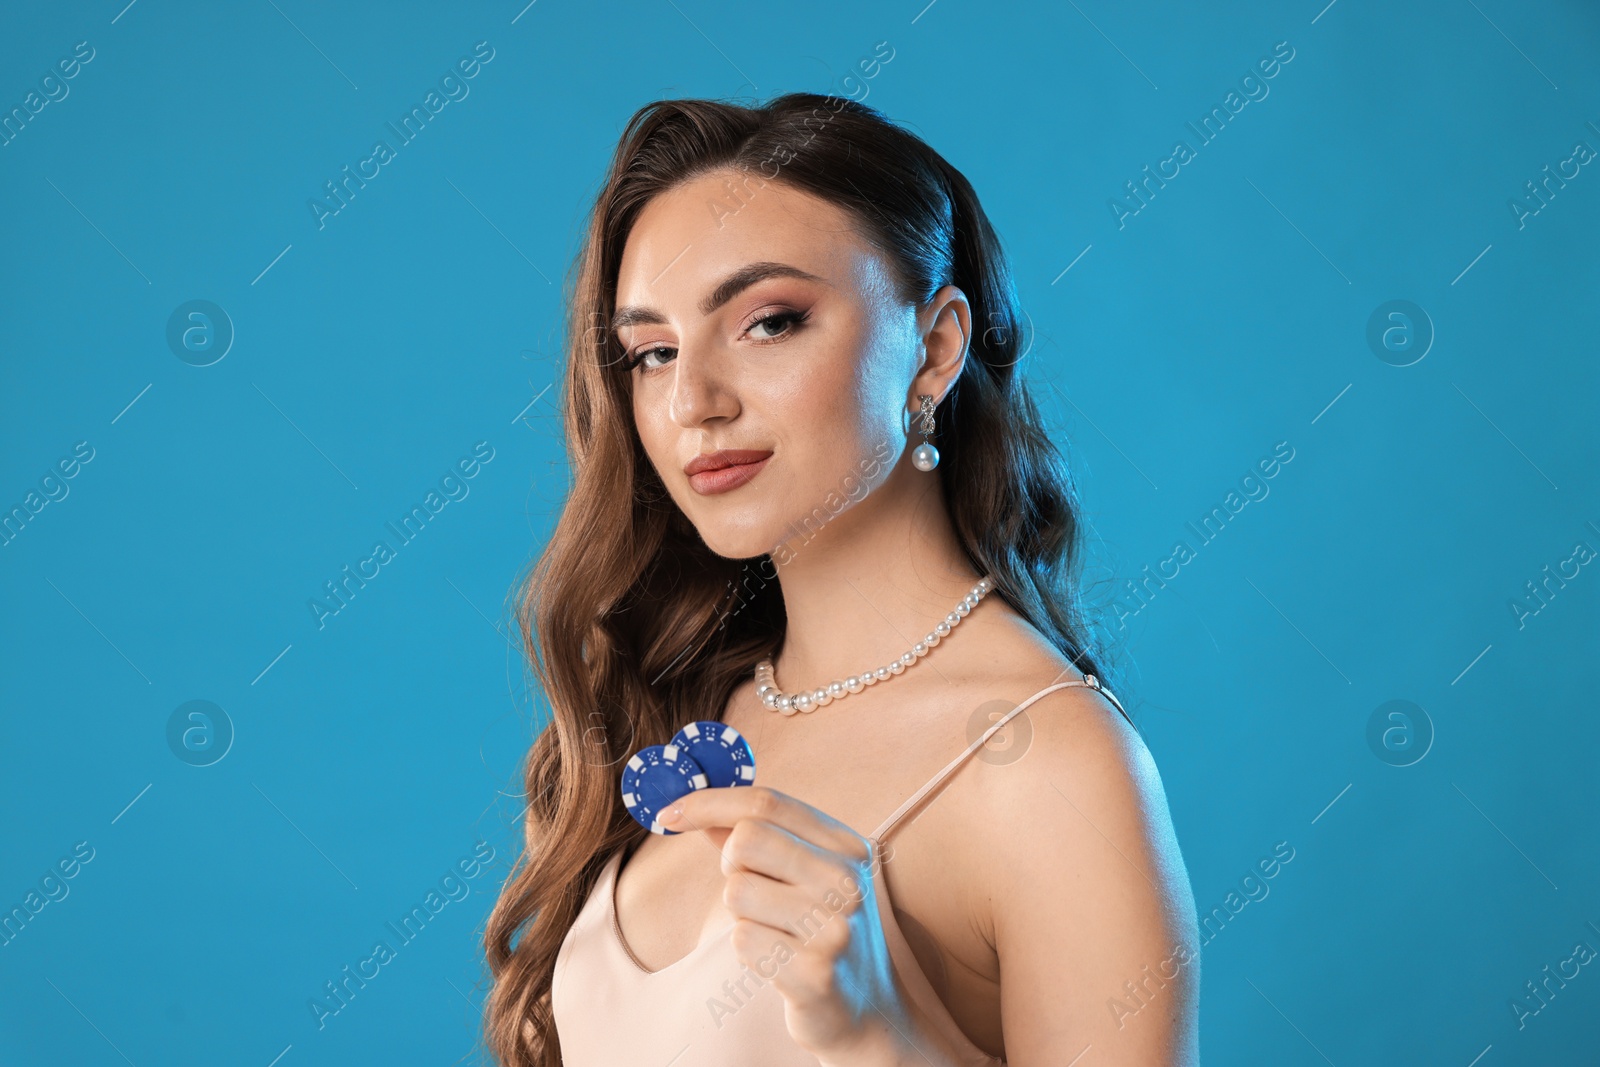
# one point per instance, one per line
(718, 472)
(727, 457)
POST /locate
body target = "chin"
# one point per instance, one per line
(736, 542)
(741, 524)
(752, 528)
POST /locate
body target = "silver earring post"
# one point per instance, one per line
(925, 457)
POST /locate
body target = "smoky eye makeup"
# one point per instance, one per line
(786, 321)
(778, 321)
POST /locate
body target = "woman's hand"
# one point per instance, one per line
(799, 884)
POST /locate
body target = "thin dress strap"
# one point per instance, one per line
(1088, 681)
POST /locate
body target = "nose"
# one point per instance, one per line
(702, 387)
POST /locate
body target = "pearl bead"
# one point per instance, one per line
(774, 698)
(925, 457)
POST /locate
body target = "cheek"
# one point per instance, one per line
(883, 373)
(653, 430)
(838, 416)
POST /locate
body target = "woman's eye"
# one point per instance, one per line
(789, 319)
(777, 325)
(638, 358)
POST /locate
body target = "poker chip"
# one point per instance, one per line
(721, 751)
(656, 776)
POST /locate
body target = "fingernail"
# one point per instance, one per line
(672, 815)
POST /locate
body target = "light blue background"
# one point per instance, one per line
(1229, 314)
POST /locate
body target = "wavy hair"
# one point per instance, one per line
(625, 615)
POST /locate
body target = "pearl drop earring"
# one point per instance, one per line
(925, 457)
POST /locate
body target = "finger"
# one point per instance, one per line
(814, 915)
(758, 846)
(725, 806)
(767, 950)
(804, 971)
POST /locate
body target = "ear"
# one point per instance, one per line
(944, 325)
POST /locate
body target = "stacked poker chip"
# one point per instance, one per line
(702, 755)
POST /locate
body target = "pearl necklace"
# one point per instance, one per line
(809, 700)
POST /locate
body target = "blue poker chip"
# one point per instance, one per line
(656, 776)
(721, 751)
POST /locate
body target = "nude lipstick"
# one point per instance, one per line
(724, 470)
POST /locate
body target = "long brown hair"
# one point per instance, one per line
(631, 625)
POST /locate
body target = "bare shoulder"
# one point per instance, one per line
(1074, 740)
(1085, 885)
(1069, 751)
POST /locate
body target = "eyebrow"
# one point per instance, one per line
(730, 287)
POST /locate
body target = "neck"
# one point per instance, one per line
(871, 582)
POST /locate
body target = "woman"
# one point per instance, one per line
(803, 463)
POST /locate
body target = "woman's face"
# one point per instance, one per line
(771, 328)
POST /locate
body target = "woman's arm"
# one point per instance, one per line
(1090, 906)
